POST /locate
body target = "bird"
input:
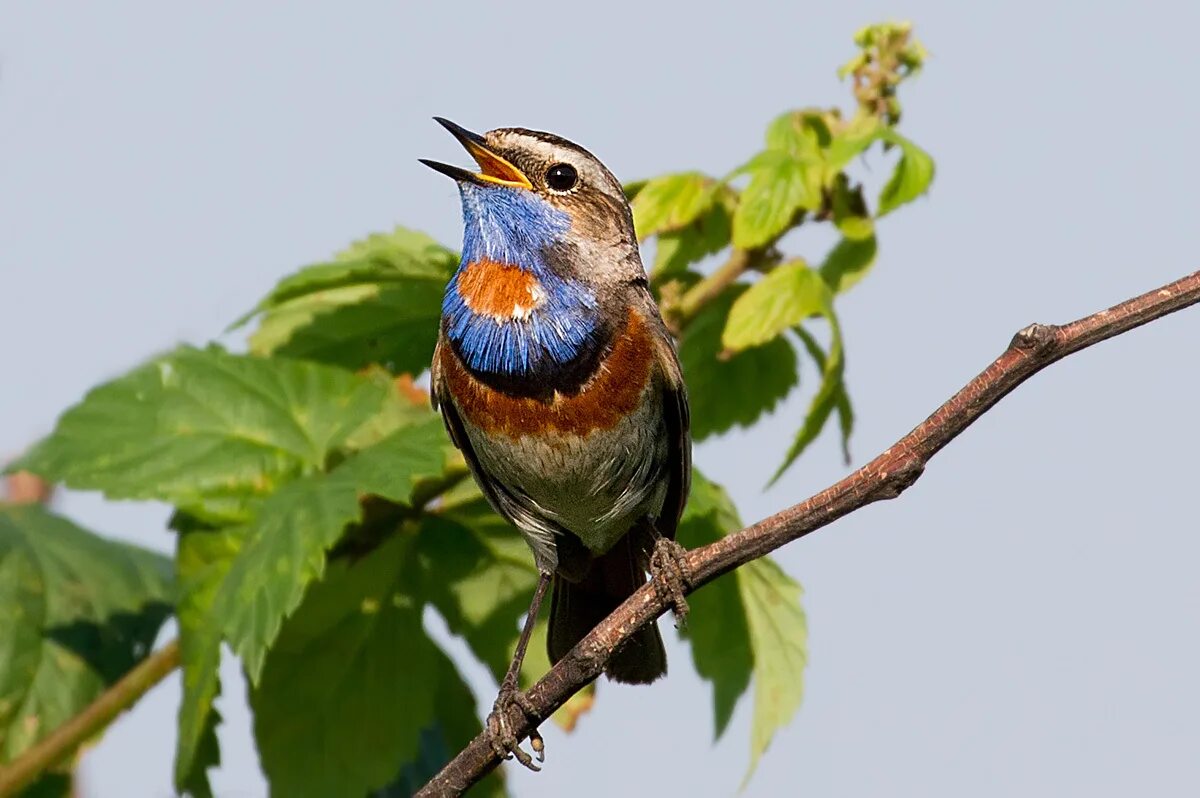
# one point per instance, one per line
(559, 382)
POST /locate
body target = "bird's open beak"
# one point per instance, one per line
(493, 168)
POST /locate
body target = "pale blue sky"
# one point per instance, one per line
(1023, 621)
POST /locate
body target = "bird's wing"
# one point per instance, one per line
(677, 420)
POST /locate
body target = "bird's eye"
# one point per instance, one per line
(562, 177)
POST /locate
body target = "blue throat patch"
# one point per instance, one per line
(514, 226)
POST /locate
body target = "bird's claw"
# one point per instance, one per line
(668, 569)
(504, 742)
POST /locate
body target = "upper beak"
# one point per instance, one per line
(493, 168)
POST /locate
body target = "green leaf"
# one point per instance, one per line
(350, 683)
(51, 784)
(457, 723)
(406, 252)
(202, 558)
(379, 303)
(830, 395)
(390, 325)
(718, 630)
(745, 626)
(671, 202)
(77, 612)
(780, 185)
(731, 390)
(204, 428)
(848, 262)
(911, 178)
(401, 408)
(478, 572)
(707, 235)
(779, 638)
(850, 213)
(398, 256)
(286, 544)
(633, 188)
(787, 295)
(804, 133)
(852, 140)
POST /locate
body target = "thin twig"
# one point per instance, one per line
(713, 285)
(62, 742)
(886, 477)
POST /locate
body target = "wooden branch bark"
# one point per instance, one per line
(1032, 349)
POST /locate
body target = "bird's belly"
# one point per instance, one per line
(595, 485)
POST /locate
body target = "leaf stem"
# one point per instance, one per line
(740, 261)
(60, 743)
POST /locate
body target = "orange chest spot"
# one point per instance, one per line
(498, 289)
(615, 391)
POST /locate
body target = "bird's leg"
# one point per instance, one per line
(669, 572)
(504, 742)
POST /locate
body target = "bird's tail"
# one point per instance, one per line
(577, 607)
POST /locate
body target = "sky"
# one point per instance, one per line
(1021, 621)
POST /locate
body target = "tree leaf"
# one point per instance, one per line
(780, 185)
(829, 396)
(405, 404)
(392, 325)
(848, 262)
(398, 256)
(851, 140)
(633, 188)
(736, 390)
(804, 133)
(379, 302)
(708, 234)
(286, 544)
(779, 638)
(457, 723)
(404, 251)
(350, 683)
(202, 428)
(77, 612)
(788, 294)
(717, 629)
(911, 178)
(203, 556)
(745, 626)
(840, 397)
(479, 574)
(671, 202)
(850, 213)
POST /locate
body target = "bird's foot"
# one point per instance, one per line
(669, 572)
(504, 742)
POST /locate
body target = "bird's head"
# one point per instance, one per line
(537, 198)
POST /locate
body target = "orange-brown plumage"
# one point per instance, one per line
(601, 403)
(498, 289)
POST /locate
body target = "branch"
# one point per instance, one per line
(886, 477)
(60, 743)
(714, 284)
(740, 261)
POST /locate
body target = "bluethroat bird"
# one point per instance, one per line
(559, 382)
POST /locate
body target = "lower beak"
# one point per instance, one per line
(493, 167)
